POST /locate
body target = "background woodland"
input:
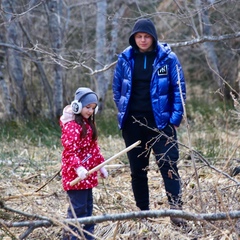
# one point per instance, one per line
(50, 48)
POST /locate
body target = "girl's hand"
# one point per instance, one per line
(103, 172)
(82, 172)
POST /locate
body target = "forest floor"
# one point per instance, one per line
(27, 168)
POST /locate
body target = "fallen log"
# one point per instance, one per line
(131, 215)
(31, 225)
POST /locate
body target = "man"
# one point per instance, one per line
(148, 89)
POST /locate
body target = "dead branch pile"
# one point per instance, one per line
(33, 204)
(29, 213)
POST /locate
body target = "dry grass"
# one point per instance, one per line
(27, 168)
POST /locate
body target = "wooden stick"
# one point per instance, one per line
(76, 180)
(48, 180)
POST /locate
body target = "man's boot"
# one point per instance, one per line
(180, 222)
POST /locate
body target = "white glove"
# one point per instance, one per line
(104, 172)
(82, 172)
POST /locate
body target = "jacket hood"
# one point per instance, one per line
(143, 25)
(68, 115)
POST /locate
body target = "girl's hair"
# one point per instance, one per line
(91, 120)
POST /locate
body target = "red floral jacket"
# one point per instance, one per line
(78, 152)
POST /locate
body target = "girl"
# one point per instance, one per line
(80, 154)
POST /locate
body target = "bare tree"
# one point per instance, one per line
(54, 20)
(208, 47)
(14, 61)
(5, 106)
(67, 44)
(206, 27)
(101, 82)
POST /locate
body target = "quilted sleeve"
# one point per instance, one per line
(178, 90)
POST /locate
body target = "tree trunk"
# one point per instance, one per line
(5, 96)
(101, 82)
(54, 18)
(14, 61)
(111, 52)
(44, 79)
(209, 49)
(103, 79)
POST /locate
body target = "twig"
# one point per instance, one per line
(189, 140)
(24, 195)
(5, 229)
(116, 230)
(27, 232)
(212, 167)
(49, 180)
(22, 213)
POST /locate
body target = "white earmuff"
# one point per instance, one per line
(96, 110)
(76, 106)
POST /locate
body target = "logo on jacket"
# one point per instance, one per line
(86, 158)
(162, 71)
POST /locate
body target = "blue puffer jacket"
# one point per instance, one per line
(166, 95)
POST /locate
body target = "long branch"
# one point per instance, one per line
(74, 64)
(131, 215)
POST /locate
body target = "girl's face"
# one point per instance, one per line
(88, 110)
(144, 41)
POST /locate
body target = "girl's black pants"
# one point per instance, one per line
(80, 205)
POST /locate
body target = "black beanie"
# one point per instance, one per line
(143, 25)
